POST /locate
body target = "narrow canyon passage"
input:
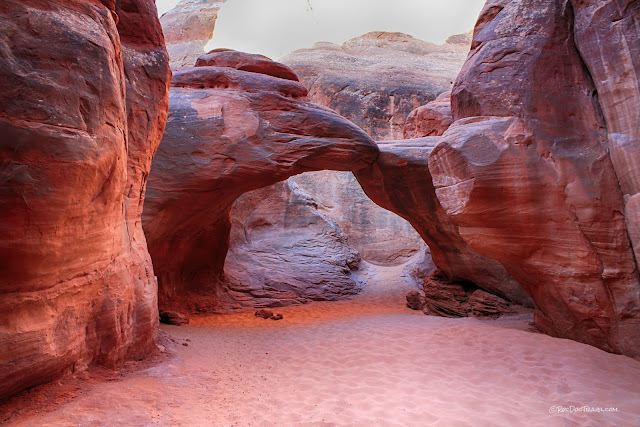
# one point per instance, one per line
(364, 361)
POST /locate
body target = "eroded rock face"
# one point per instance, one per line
(400, 181)
(381, 237)
(377, 79)
(83, 94)
(230, 132)
(286, 253)
(525, 171)
(431, 119)
(188, 27)
(607, 36)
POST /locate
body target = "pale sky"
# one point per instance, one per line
(276, 27)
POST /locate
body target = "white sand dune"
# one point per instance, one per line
(365, 362)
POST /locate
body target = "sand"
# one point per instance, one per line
(369, 361)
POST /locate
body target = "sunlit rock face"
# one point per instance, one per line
(188, 27)
(83, 94)
(526, 171)
(229, 132)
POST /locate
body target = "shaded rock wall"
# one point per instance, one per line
(607, 34)
(526, 174)
(83, 101)
(381, 237)
(286, 253)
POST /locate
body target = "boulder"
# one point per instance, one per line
(230, 132)
(83, 95)
(526, 175)
(431, 119)
(446, 298)
(173, 318)
(415, 300)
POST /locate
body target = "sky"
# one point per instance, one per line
(277, 27)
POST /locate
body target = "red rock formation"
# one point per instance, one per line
(400, 181)
(432, 119)
(246, 62)
(83, 104)
(375, 81)
(188, 27)
(608, 39)
(525, 172)
(446, 298)
(229, 132)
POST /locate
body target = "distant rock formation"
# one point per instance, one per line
(230, 132)
(83, 95)
(377, 79)
(188, 27)
(531, 171)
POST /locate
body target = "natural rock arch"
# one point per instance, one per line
(231, 131)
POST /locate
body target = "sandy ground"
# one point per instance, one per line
(369, 361)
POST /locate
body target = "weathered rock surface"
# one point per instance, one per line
(83, 101)
(431, 119)
(381, 237)
(230, 132)
(608, 39)
(415, 300)
(400, 181)
(443, 297)
(377, 79)
(188, 27)
(525, 171)
(285, 253)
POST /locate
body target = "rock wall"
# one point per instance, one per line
(229, 132)
(286, 253)
(83, 95)
(526, 172)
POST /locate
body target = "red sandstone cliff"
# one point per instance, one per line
(83, 101)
